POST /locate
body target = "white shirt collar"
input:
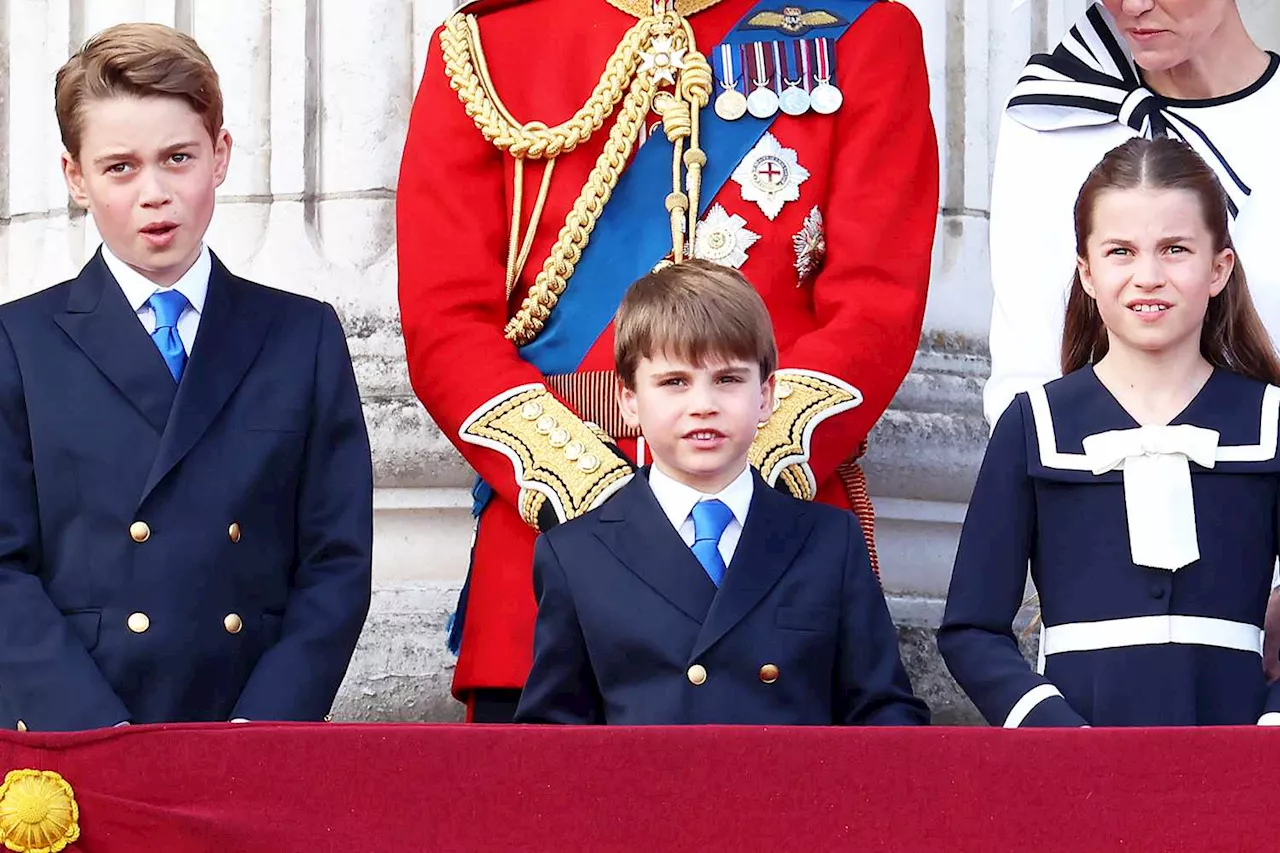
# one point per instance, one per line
(677, 499)
(137, 288)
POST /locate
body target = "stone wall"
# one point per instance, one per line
(318, 96)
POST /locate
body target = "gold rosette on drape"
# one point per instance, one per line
(38, 812)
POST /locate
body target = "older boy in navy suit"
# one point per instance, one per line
(185, 482)
(698, 594)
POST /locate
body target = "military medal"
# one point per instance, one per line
(763, 101)
(794, 100)
(825, 97)
(770, 175)
(730, 104)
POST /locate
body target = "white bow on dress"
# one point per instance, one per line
(1158, 500)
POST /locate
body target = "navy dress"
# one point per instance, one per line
(1124, 644)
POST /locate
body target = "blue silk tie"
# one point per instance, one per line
(710, 518)
(168, 306)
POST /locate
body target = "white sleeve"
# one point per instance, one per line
(1033, 194)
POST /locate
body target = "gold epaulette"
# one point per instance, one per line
(558, 459)
(802, 400)
(640, 8)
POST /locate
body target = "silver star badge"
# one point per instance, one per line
(723, 238)
(810, 243)
(664, 61)
(770, 175)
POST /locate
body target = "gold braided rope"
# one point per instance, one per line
(468, 75)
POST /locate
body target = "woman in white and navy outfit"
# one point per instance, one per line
(1123, 644)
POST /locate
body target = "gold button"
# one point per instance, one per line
(783, 391)
(328, 718)
(531, 411)
(233, 532)
(768, 673)
(573, 450)
(233, 623)
(559, 437)
(588, 463)
(545, 425)
(697, 674)
(22, 727)
(139, 531)
(139, 623)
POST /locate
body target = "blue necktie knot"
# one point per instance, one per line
(710, 519)
(168, 306)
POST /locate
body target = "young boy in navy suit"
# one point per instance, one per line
(698, 594)
(185, 480)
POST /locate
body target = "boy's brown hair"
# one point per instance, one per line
(693, 311)
(138, 60)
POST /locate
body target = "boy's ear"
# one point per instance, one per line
(72, 174)
(768, 388)
(628, 404)
(221, 156)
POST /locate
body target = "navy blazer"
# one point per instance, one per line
(178, 552)
(631, 631)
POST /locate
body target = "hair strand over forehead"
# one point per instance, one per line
(137, 60)
(698, 312)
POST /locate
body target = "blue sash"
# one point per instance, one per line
(633, 232)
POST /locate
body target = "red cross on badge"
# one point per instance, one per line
(770, 173)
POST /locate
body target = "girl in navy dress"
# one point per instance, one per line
(1142, 487)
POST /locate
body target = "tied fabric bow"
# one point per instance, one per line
(1158, 500)
(1090, 79)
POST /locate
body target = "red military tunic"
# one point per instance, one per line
(852, 319)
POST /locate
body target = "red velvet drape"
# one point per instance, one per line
(299, 788)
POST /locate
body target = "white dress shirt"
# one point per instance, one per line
(677, 500)
(137, 288)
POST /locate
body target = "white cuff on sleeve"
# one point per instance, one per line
(1028, 702)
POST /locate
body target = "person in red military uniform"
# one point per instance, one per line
(559, 149)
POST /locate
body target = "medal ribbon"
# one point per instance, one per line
(761, 65)
(726, 74)
(778, 75)
(797, 56)
(826, 61)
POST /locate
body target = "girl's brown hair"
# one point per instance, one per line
(1232, 336)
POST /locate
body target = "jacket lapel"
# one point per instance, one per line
(775, 532)
(101, 323)
(232, 330)
(634, 527)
